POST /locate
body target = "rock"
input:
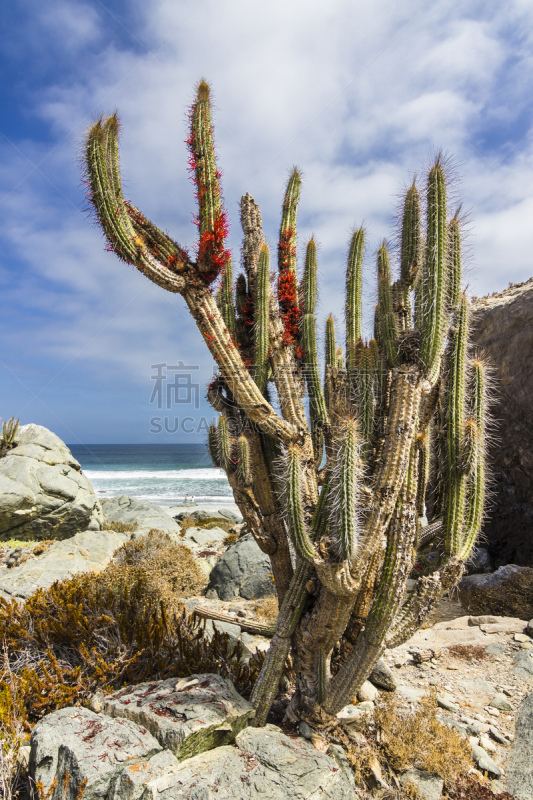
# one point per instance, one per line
(244, 570)
(383, 677)
(486, 744)
(133, 781)
(204, 512)
(520, 763)
(521, 637)
(305, 730)
(338, 753)
(503, 329)
(88, 747)
(523, 666)
(203, 536)
(366, 707)
(89, 551)
(479, 562)
(497, 736)
(428, 785)
(495, 649)
(43, 492)
(367, 692)
(485, 762)
(264, 764)
(529, 628)
(446, 703)
(187, 715)
(500, 702)
(507, 592)
(147, 515)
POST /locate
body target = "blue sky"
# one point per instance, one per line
(359, 95)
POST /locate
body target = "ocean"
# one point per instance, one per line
(160, 473)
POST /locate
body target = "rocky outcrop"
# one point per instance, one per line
(146, 515)
(244, 570)
(508, 592)
(503, 331)
(98, 756)
(43, 492)
(89, 551)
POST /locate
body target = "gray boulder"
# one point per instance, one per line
(85, 746)
(519, 766)
(186, 715)
(202, 512)
(43, 492)
(508, 592)
(147, 515)
(264, 764)
(243, 571)
(426, 784)
(89, 551)
(383, 676)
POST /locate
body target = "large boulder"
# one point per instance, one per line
(43, 492)
(520, 763)
(508, 592)
(264, 764)
(75, 746)
(243, 571)
(147, 515)
(503, 331)
(187, 716)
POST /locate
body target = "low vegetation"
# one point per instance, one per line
(7, 437)
(122, 626)
(119, 527)
(206, 523)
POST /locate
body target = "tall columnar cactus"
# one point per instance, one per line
(334, 488)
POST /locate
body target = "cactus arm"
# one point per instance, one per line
(212, 218)
(345, 475)
(411, 253)
(243, 461)
(293, 604)
(476, 486)
(434, 288)
(454, 261)
(262, 324)
(224, 443)
(387, 319)
(354, 281)
(212, 443)
(455, 424)
(295, 512)
(317, 405)
(287, 281)
(112, 212)
(225, 298)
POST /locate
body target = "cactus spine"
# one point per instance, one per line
(400, 403)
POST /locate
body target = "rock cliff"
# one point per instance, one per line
(503, 331)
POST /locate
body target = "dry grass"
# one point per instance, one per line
(417, 739)
(119, 527)
(266, 609)
(468, 652)
(207, 523)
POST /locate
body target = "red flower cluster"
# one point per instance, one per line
(288, 302)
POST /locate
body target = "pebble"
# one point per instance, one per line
(521, 637)
(497, 736)
(493, 712)
(487, 745)
(446, 703)
(501, 703)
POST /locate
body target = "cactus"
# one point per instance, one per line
(342, 536)
(9, 431)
